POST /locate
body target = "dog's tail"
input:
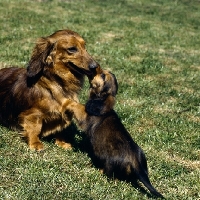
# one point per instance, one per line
(143, 177)
(139, 168)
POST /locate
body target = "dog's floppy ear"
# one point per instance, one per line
(39, 57)
(115, 86)
(111, 86)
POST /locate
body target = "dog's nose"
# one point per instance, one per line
(93, 65)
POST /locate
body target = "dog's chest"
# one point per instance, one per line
(52, 105)
(53, 113)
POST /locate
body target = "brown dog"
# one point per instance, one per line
(113, 148)
(32, 99)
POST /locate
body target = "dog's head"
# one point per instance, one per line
(103, 89)
(103, 84)
(64, 47)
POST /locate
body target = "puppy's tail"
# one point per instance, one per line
(143, 177)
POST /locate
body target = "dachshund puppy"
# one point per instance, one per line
(113, 148)
(32, 100)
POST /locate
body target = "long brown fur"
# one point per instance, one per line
(33, 99)
(112, 146)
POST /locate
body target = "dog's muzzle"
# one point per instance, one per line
(93, 65)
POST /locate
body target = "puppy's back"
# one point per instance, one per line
(110, 133)
(117, 151)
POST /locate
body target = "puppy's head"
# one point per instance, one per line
(103, 84)
(64, 47)
(103, 89)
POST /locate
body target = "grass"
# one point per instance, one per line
(153, 49)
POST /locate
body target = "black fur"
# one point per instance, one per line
(94, 107)
(114, 149)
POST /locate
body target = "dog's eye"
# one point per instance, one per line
(72, 50)
(103, 76)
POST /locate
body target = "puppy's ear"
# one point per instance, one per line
(39, 57)
(115, 85)
(111, 87)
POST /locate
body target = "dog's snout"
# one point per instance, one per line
(93, 65)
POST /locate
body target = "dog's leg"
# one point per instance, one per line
(60, 136)
(108, 169)
(78, 110)
(31, 123)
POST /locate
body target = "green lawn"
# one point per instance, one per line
(152, 46)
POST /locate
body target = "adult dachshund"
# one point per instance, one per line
(32, 100)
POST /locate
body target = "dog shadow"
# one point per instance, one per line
(68, 135)
(80, 142)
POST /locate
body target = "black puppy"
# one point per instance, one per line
(113, 147)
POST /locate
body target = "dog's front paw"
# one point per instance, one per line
(37, 146)
(63, 144)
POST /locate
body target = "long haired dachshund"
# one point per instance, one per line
(113, 148)
(32, 99)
